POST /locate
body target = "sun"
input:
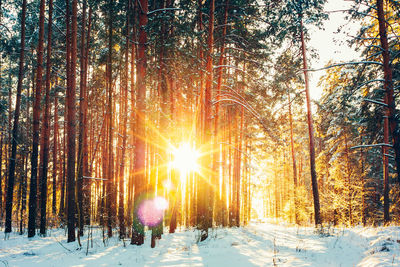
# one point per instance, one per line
(185, 159)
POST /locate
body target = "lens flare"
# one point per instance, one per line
(185, 158)
(151, 211)
(160, 203)
(168, 185)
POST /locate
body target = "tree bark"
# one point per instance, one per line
(55, 151)
(349, 185)
(217, 154)
(386, 216)
(61, 211)
(296, 212)
(35, 131)
(85, 159)
(132, 46)
(11, 174)
(82, 169)
(388, 84)
(46, 129)
(71, 125)
(140, 145)
(208, 191)
(110, 205)
(23, 197)
(314, 181)
(124, 113)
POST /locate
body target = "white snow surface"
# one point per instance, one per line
(258, 244)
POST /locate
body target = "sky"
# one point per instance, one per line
(329, 44)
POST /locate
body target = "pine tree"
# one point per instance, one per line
(35, 131)
(11, 173)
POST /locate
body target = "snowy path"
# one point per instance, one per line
(256, 245)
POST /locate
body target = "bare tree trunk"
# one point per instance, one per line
(238, 167)
(200, 115)
(386, 216)
(85, 160)
(124, 113)
(363, 212)
(132, 46)
(110, 174)
(388, 84)
(349, 185)
(314, 181)
(217, 154)
(104, 164)
(46, 129)
(81, 183)
(1, 171)
(207, 194)
(55, 151)
(23, 197)
(61, 210)
(11, 174)
(1, 142)
(276, 192)
(163, 173)
(140, 145)
(35, 132)
(296, 212)
(230, 170)
(225, 173)
(71, 128)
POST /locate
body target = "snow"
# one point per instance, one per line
(259, 244)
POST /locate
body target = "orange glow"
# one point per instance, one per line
(185, 159)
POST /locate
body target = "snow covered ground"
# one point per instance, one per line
(259, 244)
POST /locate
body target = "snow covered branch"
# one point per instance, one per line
(347, 63)
(372, 145)
(376, 102)
(163, 9)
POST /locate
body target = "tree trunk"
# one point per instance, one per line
(276, 192)
(55, 151)
(386, 217)
(85, 159)
(363, 211)
(71, 127)
(61, 211)
(140, 145)
(225, 173)
(35, 131)
(296, 212)
(314, 181)
(124, 113)
(217, 145)
(46, 129)
(238, 167)
(110, 171)
(1, 143)
(164, 118)
(230, 171)
(349, 185)
(11, 174)
(207, 190)
(388, 84)
(1, 173)
(23, 197)
(132, 46)
(81, 182)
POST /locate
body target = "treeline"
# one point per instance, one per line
(356, 130)
(95, 96)
(106, 88)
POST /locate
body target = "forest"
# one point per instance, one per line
(141, 118)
